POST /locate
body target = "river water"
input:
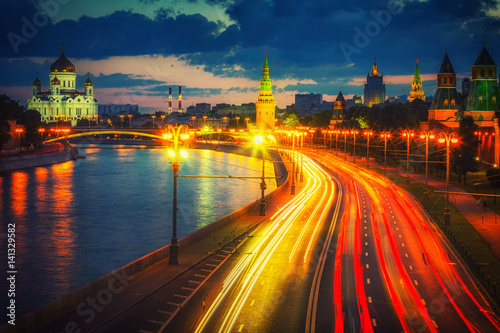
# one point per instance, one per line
(79, 220)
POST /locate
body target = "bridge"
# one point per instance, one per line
(155, 133)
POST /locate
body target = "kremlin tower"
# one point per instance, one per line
(339, 109)
(265, 106)
(416, 86)
(483, 99)
(446, 102)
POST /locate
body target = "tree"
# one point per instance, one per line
(321, 119)
(290, 119)
(463, 158)
(493, 175)
(9, 110)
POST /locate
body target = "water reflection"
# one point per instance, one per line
(80, 220)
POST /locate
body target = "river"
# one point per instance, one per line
(79, 220)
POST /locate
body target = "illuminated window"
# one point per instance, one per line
(445, 102)
(494, 99)
(452, 102)
(480, 99)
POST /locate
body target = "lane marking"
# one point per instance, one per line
(366, 254)
(366, 243)
(197, 282)
(174, 304)
(165, 312)
(374, 322)
(406, 255)
(241, 327)
(423, 302)
(367, 281)
(186, 288)
(369, 299)
(367, 266)
(156, 322)
(144, 331)
(434, 323)
(211, 265)
(198, 275)
(411, 268)
(262, 283)
(206, 270)
(416, 283)
(183, 296)
(253, 301)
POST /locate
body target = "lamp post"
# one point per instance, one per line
(354, 132)
(408, 134)
(447, 137)
(237, 121)
(19, 131)
(324, 137)
(89, 117)
(153, 120)
(301, 179)
(336, 142)
(225, 122)
(121, 120)
(129, 121)
(62, 120)
(292, 188)
(368, 133)
(247, 120)
(345, 144)
(41, 131)
(330, 132)
(263, 140)
(312, 137)
(385, 135)
(193, 118)
(478, 134)
(162, 120)
(175, 133)
(426, 135)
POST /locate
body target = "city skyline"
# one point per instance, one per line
(215, 51)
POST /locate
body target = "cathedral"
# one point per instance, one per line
(62, 101)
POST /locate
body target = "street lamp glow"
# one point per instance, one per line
(258, 139)
(184, 136)
(167, 136)
(183, 153)
(171, 153)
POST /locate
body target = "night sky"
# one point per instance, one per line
(136, 49)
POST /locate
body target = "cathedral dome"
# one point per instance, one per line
(62, 64)
(88, 82)
(55, 81)
(37, 82)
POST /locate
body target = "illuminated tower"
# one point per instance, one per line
(266, 105)
(170, 100)
(446, 102)
(339, 109)
(483, 99)
(416, 86)
(374, 92)
(180, 99)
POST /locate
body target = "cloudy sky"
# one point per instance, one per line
(136, 49)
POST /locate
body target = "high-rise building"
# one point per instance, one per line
(483, 99)
(339, 109)
(203, 107)
(446, 102)
(63, 101)
(416, 86)
(465, 87)
(265, 105)
(374, 92)
(307, 102)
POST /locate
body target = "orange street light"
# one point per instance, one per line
(385, 135)
(448, 138)
(368, 133)
(408, 134)
(426, 135)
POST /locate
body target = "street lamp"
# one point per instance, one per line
(153, 120)
(225, 121)
(385, 135)
(162, 120)
(193, 118)
(121, 121)
(354, 147)
(129, 121)
(337, 132)
(301, 179)
(426, 135)
(292, 188)
(345, 144)
(175, 133)
(89, 117)
(237, 121)
(263, 140)
(19, 131)
(408, 134)
(368, 134)
(247, 120)
(330, 132)
(447, 137)
(324, 137)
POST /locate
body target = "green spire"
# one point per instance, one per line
(266, 88)
(265, 60)
(416, 77)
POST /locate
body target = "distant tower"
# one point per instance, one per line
(170, 100)
(180, 99)
(265, 106)
(446, 102)
(483, 99)
(37, 86)
(339, 109)
(88, 86)
(416, 86)
(374, 92)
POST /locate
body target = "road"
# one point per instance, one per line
(393, 271)
(261, 282)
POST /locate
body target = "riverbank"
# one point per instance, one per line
(11, 163)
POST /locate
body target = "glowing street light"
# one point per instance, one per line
(302, 134)
(263, 140)
(354, 132)
(426, 135)
(345, 132)
(129, 120)
(19, 131)
(225, 121)
(237, 121)
(368, 133)
(121, 121)
(385, 135)
(447, 137)
(153, 120)
(408, 134)
(173, 156)
(247, 120)
(162, 120)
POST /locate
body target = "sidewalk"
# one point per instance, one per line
(140, 286)
(482, 219)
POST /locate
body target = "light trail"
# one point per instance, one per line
(242, 279)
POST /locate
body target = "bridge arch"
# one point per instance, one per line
(75, 135)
